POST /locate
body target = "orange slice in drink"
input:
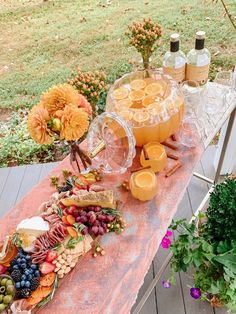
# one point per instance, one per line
(147, 100)
(156, 107)
(124, 103)
(153, 89)
(120, 93)
(136, 95)
(137, 84)
(149, 80)
(141, 116)
(126, 114)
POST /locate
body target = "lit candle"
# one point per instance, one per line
(156, 154)
(143, 184)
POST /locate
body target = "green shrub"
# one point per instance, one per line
(16, 146)
(221, 213)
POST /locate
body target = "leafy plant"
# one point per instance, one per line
(210, 248)
(221, 213)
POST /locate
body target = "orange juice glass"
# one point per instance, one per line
(157, 156)
(143, 184)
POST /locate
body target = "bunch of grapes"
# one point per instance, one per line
(96, 220)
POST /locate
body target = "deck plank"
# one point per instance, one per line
(46, 168)
(30, 179)
(197, 190)
(4, 172)
(11, 189)
(175, 293)
(150, 305)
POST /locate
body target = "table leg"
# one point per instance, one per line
(225, 143)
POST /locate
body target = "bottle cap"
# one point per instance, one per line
(200, 35)
(174, 37)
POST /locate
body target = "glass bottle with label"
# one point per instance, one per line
(198, 61)
(174, 60)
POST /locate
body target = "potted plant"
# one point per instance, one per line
(210, 248)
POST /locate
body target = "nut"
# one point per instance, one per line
(63, 256)
(72, 265)
(60, 276)
(58, 265)
(60, 272)
(67, 270)
(56, 270)
(54, 262)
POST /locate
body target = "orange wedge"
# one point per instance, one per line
(147, 100)
(149, 80)
(124, 103)
(137, 84)
(126, 114)
(136, 95)
(153, 89)
(120, 93)
(141, 117)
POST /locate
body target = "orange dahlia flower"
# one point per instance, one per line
(86, 105)
(59, 96)
(74, 123)
(37, 125)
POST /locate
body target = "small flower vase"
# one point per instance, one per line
(78, 157)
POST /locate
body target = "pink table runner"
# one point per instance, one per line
(110, 284)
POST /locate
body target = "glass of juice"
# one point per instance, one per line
(154, 155)
(143, 184)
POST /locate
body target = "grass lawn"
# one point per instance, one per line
(43, 42)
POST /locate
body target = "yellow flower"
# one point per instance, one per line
(59, 96)
(37, 125)
(74, 123)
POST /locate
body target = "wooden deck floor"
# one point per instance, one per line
(17, 181)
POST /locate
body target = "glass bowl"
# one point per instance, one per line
(151, 103)
(111, 143)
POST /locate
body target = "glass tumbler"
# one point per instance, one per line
(191, 91)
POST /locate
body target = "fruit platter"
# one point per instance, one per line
(150, 101)
(43, 249)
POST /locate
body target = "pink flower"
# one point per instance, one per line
(169, 233)
(165, 243)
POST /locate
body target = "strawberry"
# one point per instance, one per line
(46, 268)
(3, 269)
(51, 255)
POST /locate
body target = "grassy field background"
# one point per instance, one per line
(43, 42)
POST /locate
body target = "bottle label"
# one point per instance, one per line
(178, 74)
(197, 73)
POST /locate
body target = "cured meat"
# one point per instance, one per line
(47, 241)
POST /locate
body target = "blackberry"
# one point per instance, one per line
(64, 188)
(16, 275)
(24, 293)
(34, 283)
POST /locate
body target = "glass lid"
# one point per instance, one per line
(111, 143)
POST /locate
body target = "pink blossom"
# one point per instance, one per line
(169, 233)
(165, 243)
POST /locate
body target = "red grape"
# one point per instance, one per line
(62, 206)
(78, 219)
(101, 217)
(76, 213)
(97, 209)
(83, 219)
(95, 230)
(85, 231)
(101, 231)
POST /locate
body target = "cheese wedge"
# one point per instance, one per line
(104, 199)
(34, 226)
